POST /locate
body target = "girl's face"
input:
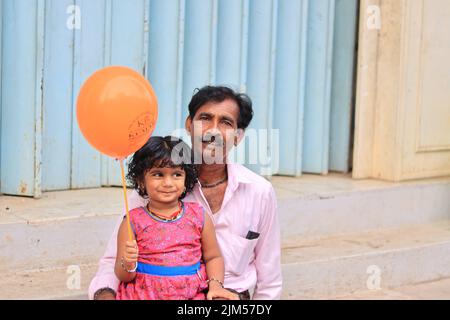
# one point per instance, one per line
(165, 185)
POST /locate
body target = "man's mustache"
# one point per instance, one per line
(213, 138)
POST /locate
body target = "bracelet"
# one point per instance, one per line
(100, 291)
(214, 279)
(124, 268)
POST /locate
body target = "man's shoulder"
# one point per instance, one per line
(135, 200)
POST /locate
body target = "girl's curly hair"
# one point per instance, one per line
(162, 152)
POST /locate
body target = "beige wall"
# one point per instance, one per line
(402, 128)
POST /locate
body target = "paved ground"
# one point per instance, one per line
(59, 284)
(436, 290)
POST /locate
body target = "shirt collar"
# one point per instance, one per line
(235, 176)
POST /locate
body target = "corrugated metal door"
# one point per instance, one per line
(343, 85)
(1, 26)
(21, 126)
(293, 57)
(42, 147)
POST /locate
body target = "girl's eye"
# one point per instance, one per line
(157, 174)
(178, 174)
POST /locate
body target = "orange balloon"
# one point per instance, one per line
(117, 111)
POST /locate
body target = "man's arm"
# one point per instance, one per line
(105, 277)
(268, 253)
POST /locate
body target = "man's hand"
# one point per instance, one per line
(216, 292)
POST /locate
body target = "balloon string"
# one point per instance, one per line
(126, 200)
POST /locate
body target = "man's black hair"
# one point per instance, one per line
(219, 94)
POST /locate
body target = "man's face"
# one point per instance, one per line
(214, 130)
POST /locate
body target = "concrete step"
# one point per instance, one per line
(354, 266)
(336, 204)
(76, 225)
(58, 229)
(370, 261)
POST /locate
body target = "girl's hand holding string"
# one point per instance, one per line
(127, 255)
(130, 255)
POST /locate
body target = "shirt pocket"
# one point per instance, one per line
(236, 250)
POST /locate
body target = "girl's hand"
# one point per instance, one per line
(131, 253)
(217, 292)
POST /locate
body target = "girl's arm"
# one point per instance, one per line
(214, 263)
(128, 251)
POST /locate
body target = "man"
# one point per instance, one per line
(241, 204)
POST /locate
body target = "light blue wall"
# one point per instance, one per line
(293, 57)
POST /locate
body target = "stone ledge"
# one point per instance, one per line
(340, 265)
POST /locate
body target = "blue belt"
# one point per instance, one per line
(167, 270)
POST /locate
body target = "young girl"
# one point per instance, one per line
(174, 254)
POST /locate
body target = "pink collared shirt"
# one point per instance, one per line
(249, 204)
